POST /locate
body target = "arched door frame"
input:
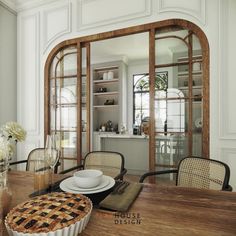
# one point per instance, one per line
(151, 28)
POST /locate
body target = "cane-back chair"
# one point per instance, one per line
(110, 163)
(36, 154)
(198, 172)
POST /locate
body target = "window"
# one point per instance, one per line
(141, 94)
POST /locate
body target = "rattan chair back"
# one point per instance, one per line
(195, 172)
(37, 155)
(110, 163)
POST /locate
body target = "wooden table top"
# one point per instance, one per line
(157, 211)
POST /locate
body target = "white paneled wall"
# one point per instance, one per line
(227, 60)
(28, 72)
(44, 26)
(93, 13)
(59, 13)
(28, 81)
(193, 8)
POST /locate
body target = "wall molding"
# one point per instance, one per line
(22, 5)
(81, 4)
(61, 32)
(228, 155)
(198, 13)
(224, 129)
(35, 131)
(10, 5)
(225, 151)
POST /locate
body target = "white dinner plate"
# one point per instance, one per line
(69, 182)
(72, 185)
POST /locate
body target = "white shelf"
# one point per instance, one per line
(100, 81)
(106, 94)
(186, 73)
(106, 106)
(187, 88)
(186, 57)
(197, 102)
(103, 69)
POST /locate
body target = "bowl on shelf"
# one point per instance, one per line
(88, 178)
(101, 90)
(109, 102)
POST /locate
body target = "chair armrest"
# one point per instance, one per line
(17, 162)
(71, 169)
(121, 175)
(156, 173)
(228, 188)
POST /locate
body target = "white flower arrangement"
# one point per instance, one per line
(11, 133)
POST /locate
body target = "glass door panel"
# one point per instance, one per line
(69, 63)
(63, 104)
(168, 44)
(170, 149)
(178, 97)
(65, 116)
(63, 91)
(85, 106)
(64, 63)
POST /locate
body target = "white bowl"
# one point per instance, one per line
(88, 178)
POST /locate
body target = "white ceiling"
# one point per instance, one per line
(136, 47)
(132, 47)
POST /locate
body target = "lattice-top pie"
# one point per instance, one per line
(50, 212)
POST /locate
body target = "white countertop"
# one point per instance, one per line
(131, 136)
(114, 135)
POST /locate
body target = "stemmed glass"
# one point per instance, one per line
(52, 154)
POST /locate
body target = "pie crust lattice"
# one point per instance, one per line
(48, 212)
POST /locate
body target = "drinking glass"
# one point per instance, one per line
(52, 154)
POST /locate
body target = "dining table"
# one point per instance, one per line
(158, 210)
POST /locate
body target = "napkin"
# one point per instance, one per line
(122, 202)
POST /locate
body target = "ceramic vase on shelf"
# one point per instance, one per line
(105, 76)
(110, 75)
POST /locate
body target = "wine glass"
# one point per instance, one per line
(52, 154)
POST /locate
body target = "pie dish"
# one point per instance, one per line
(54, 214)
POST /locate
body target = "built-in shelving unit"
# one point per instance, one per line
(106, 91)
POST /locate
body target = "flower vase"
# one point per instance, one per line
(3, 172)
(5, 193)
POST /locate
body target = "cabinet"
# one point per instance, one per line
(109, 94)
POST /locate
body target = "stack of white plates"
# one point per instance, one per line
(69, 185)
